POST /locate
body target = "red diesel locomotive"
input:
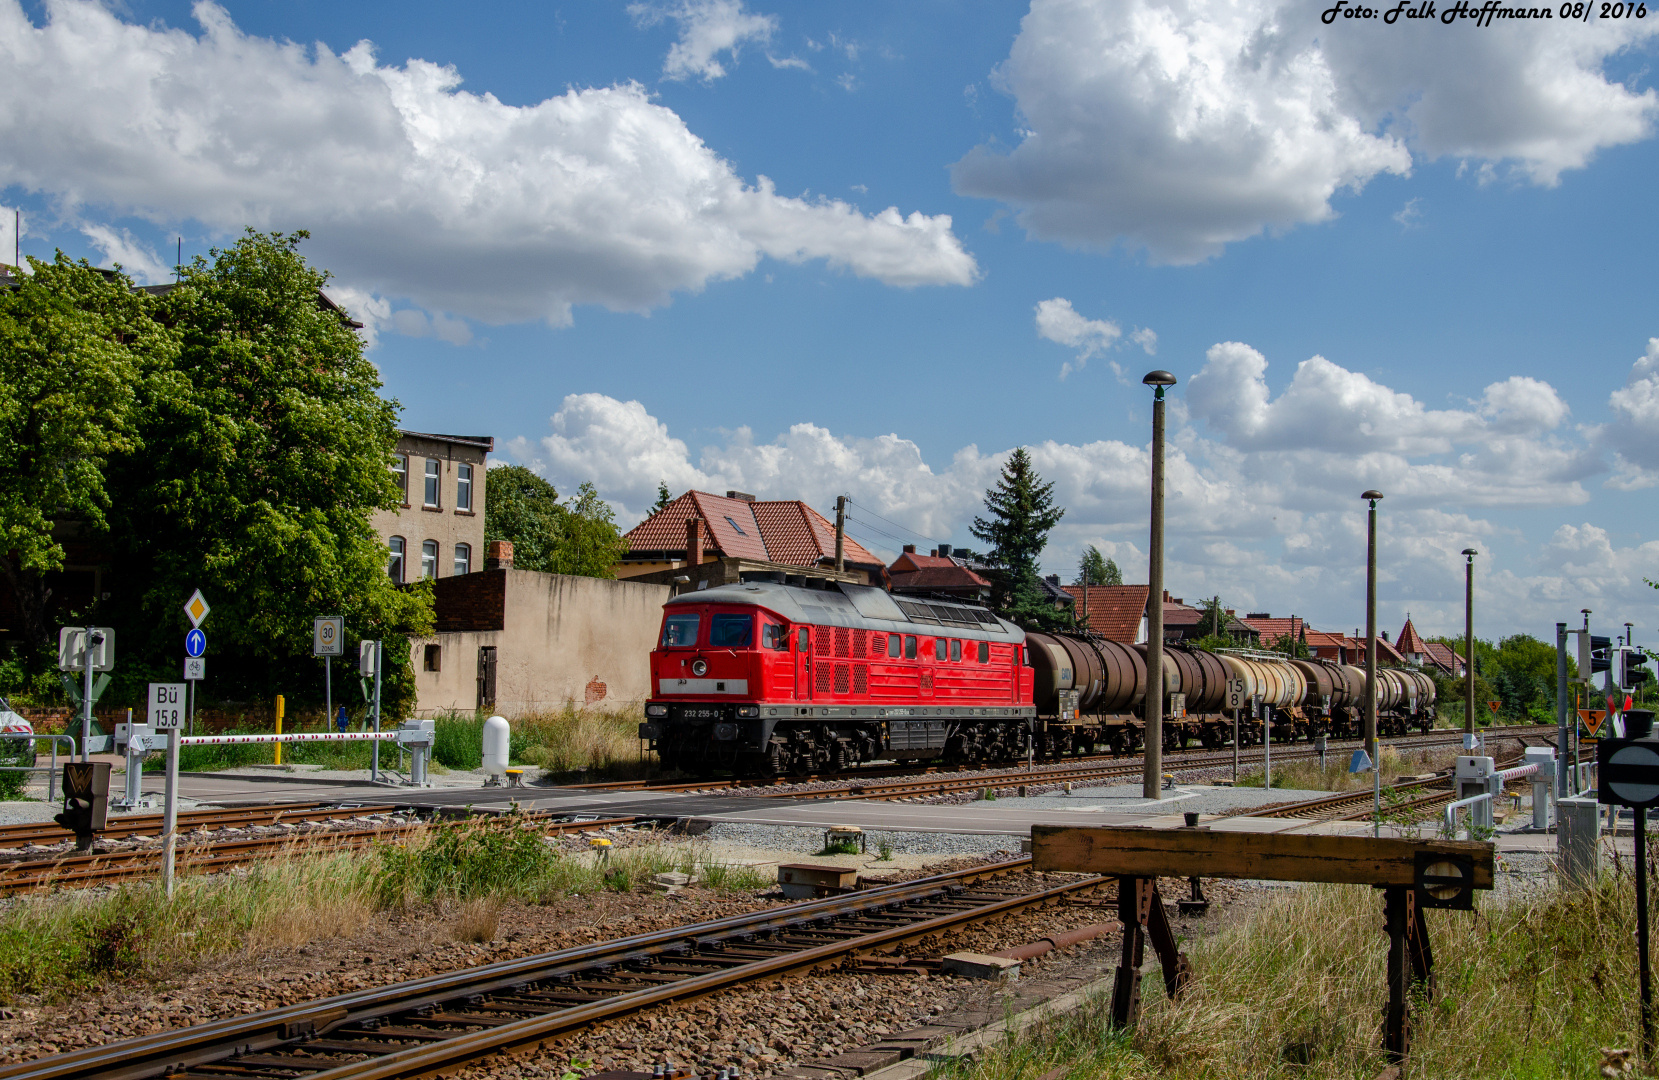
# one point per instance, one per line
(769, 678)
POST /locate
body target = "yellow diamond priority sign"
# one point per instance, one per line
(196, 608)
(1593, 719)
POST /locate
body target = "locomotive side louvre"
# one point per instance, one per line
(849, 674)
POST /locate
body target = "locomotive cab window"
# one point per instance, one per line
(909, 647)
(680, 631)
(731, 631)
(984, 652)
(893, 645)
(955, 649)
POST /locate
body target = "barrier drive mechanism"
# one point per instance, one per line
(1414, 875)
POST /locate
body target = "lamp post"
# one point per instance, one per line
(1369, 731)
(1469, 649)
(1152, 778)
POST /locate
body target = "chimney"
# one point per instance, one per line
(1229, 611)
(944, 551)
(498, 555)
(1385, 635)
(694, 541)
(740, 496)
(1166, 596)
(910, 549)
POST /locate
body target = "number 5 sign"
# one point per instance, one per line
(166, 706)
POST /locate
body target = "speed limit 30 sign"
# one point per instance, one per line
(328, 636)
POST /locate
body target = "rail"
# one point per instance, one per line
(430, 1026)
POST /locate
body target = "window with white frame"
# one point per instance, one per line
(394, 560)
(400, 470)
(463, 559)
(433, 465)
(463, 487)
(429, 558)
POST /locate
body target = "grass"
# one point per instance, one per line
(76, 941)
(1294, 989)
(1304, 774)
(566, 742)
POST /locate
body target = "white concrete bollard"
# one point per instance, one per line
(497, 736)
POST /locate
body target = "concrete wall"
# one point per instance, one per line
(564, 640)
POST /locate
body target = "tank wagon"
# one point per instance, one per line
(781, 676)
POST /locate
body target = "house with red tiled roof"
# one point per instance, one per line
(1274, 630)
(1183, 622)
(1117, 612)
(1410, 644)
(938, 572)
(1444, 657)
(725, 536)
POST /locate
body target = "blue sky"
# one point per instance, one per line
(587, 264)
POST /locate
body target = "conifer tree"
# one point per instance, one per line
(1021, 513)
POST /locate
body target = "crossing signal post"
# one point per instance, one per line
(1628, 772)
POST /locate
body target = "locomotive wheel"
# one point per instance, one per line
(1209, 738)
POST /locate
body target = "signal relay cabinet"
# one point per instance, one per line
(85, 800)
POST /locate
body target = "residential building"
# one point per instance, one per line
(709, 538)
(1117, 612)
(438, 530)
(939, 572)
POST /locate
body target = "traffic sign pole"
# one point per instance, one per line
(1641, 934)
(86, 695)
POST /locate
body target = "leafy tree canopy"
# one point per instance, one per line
(266, 447)
(663, 497)
(1096, 569)
(72, 343)
(580, 538)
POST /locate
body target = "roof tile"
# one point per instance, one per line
(1114, 611)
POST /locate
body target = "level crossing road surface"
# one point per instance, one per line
(999, 817)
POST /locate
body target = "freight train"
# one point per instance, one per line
(780, 676)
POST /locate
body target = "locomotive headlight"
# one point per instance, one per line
(748, 711)
(699, 667)
(656, 710)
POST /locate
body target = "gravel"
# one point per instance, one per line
(807, 841)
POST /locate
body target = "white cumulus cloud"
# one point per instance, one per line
(1634, 432)
(1180, 126)
(708, 28)
(412, 187)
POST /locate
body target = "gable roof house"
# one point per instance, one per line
(711, 540)
(944, 574)
(1117, 612)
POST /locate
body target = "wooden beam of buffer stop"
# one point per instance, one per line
(1414, 875)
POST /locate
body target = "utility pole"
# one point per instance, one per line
(1562, 707)
(840, 533)
(1370, 719)
(1469, 649)
(1153, 776)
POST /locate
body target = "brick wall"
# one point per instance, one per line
(471, 602)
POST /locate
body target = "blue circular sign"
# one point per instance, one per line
(195, 643)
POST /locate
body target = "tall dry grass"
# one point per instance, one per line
(1305, 774)
(1295, 989)
(566, 742)
(61, 944)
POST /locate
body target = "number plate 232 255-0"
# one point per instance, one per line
(700, 714)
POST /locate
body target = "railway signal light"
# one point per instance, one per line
(1601, 654)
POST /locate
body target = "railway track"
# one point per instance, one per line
(71, 871)
(433, 1026)
(868, 784)
(1357, 805)
(127, 825)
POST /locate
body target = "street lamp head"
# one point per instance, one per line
(1471, 552)
(1372, 494)
(1158, 380)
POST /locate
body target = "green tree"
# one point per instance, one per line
(522, 508)
(1096, 569)
(663, 497)
(1021, 513)
(266, 447)
(70, 337)
(548, 536)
